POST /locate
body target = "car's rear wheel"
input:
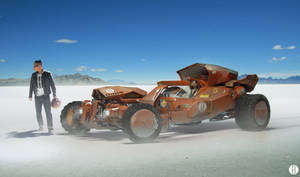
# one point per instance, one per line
(70, 118)
(252, 112)
(142, 123)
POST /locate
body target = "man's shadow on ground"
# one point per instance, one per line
(26, 134)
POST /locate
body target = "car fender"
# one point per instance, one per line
(153, 95)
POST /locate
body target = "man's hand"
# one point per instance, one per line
(30, 99)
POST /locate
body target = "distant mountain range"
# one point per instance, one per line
(70, 79)
(270, 80)
(79, 79)
(121, 82)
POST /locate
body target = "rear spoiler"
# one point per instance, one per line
(249, 82)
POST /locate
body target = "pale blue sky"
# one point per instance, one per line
(148, 40)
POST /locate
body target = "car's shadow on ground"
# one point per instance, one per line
(98, 135)
(26, 134)
(174, 133)
(108, 135)
(195, 130)
(208, 127)
(203, 127)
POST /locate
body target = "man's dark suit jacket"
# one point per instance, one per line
(47, 82)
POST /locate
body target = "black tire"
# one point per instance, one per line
(127, 118)
(245, 112)
(76, 127)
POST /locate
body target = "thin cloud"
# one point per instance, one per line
(59, 69)
(66, 41)
(279, 47)
(2, 60)
(119, 71)
(279, 59)
(81, 68)
(98, 69)
(143, 59)
(292, 47)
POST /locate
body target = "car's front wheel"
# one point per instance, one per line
(142, 123)
(70, 118)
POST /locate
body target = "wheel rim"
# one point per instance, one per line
(70, 117)
(261, 113)
(143, 123)
(73, 118)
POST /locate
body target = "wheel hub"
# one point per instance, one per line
(261, 113)
(143, 123)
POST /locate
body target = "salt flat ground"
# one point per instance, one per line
(209, 149)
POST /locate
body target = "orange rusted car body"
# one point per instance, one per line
(219, 89)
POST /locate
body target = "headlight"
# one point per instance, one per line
(107, 112)
(80, 111)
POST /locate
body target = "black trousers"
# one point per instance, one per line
(39, 102)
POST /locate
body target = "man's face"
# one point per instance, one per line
(37, 67)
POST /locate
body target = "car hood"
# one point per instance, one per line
(118, 91)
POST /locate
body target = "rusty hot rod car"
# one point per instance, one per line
(204, 91)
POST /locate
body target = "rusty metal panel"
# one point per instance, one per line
(213, 74)
(118, 91)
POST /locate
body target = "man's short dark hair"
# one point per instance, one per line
(38, 62)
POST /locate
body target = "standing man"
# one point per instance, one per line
(40, 84)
